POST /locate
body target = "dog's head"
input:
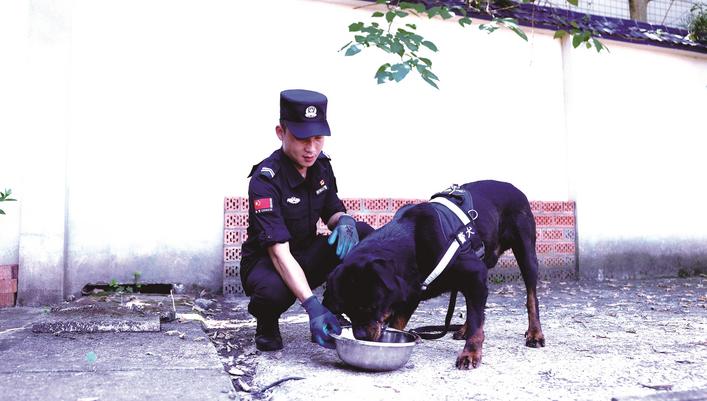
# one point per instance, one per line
(369, 291)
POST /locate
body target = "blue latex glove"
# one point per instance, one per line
(321, 322)
(345, 232)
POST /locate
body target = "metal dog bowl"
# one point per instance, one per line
(391, 352)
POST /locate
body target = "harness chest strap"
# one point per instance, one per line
(454, 246)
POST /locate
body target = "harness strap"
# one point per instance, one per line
(453, 246)
(454, 208)
(426, 331)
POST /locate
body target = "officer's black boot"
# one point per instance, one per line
(267, 335)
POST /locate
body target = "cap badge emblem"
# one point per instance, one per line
(310, 112)
(293, 200)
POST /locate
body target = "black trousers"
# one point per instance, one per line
(270, 296)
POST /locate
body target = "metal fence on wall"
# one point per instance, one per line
(673, 13)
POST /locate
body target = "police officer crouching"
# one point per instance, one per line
(283, 258)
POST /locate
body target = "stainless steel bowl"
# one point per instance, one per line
(391, 352)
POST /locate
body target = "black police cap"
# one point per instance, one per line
(304, 113)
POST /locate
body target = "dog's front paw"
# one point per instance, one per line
(535, 339)
(468, 360)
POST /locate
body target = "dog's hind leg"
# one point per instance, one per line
(524, 250)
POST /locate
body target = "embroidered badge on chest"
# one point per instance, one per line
(293, 200)
(323, 188)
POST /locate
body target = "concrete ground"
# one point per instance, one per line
(609, 340)
(176, 363)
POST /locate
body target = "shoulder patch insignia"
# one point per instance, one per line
(262, 205)
(267, 171)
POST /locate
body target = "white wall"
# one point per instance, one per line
(636, 123)
(171, 102)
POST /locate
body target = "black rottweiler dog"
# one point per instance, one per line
(379, 282)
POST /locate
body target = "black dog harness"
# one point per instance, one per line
(455, 205)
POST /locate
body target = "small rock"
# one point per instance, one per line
(244, 386)
(205, 303)
(235, 371)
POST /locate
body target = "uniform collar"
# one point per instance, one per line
(294, 178)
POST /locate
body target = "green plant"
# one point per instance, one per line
(116, 287)
(408, 45)
(136, 280)
(5, 197)
(698, 23)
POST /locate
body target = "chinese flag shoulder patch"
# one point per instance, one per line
(262, 205)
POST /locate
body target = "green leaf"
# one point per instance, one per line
(401, 14)
(399, 71)
(431, 75)
(559, 34)
(377, 14)
(429, 45)
(419, 7)
(2, 212)
(444, 12)
(599, 46)
(382, 74)
(390, 16)
(381, 1)
(353, 50)
(465, 21)
(355, 27)
(573, 2)
(411, 26)
(490, 27)
(513, 26)
(345, 46)
(426, 61)
(397, 48)
(429, 80)
(577, 40)
(434, 11)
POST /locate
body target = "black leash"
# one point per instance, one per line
(427, 332)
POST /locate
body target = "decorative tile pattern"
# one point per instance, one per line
(8, 285)
(555, 236)
(377, 204)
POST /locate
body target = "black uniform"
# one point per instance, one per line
(285, 207)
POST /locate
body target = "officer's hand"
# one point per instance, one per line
(345, 232)
(321, 322)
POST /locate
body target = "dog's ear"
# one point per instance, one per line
(386, 272)
(332, 299)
